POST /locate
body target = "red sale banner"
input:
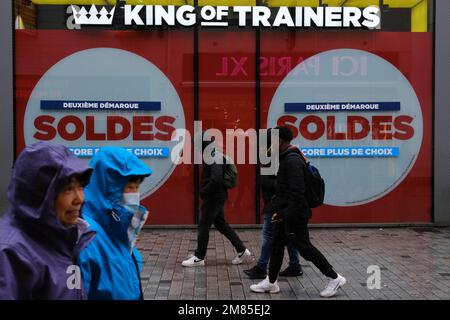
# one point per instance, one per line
(359, 105)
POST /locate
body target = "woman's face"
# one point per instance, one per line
(68, 203)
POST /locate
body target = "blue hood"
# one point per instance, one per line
(113, 166)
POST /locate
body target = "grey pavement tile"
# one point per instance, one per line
(414, 265)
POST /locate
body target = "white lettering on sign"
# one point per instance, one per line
(215, 16)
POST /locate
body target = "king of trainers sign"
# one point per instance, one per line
(220, 16)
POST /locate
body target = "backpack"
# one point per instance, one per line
(230, 174)
(315, 185)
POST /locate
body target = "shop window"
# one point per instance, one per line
(229, 77)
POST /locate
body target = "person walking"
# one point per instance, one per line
(259, 271)
(214, 193)
(290, 219)
(42, 232)
(111, 265)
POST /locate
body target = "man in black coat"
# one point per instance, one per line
(214, 194)
(290, 218)
(259, 271)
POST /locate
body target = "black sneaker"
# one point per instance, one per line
(256, 273)
(292, 271)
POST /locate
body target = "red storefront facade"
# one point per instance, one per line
(228, 79)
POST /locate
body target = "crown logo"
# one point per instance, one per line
(93, 16)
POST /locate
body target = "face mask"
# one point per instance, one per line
(131, 199)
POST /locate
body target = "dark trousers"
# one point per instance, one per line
(300, 239)
(266, 246)
(212, 212)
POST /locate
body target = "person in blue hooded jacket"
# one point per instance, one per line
(111, 264)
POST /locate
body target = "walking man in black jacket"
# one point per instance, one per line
(259, 271)
(290, 219)
(214, 194)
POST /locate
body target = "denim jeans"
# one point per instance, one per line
(267, 240)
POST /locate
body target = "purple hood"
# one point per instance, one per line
(37, 252)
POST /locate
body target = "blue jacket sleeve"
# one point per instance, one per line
(89, 272)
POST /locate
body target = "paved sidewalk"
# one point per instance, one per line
(414, 263)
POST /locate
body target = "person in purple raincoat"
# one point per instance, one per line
(42, 233)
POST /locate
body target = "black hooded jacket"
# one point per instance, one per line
(212, 186)
(289, 200)
(268, 188)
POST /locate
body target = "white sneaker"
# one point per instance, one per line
(333, 287)
(193, 262)
(241, 257)
(265, 286)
